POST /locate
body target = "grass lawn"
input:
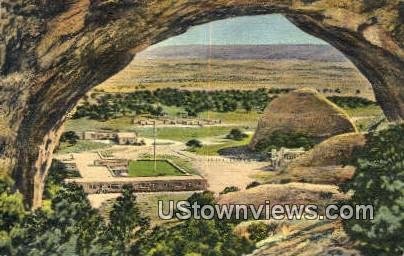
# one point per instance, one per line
(185, 164)
(213, 149)
(239, 117)
(372, 110)
(81, 146)
(145, 168)
(364, 116)
(185, 133)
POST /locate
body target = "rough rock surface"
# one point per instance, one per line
(53, 51)
(335, 151)
(327, 162)
(302, 111)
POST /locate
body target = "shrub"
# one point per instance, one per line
(253, 185)
(236, 134)
(194, 143)
(258, 231)
(229, 190)
(70, 137)
(379, 181)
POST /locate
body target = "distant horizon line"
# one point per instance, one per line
(182, 45)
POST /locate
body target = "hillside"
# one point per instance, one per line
(325, 163)
(303, 111)
(245, 52)
(245, 74)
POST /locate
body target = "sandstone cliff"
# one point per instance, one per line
(303, 111)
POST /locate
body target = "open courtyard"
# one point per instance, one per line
(150, 168)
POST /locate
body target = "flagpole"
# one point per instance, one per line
(154, 145)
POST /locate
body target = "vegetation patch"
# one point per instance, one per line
(184, 134)
(56, 175)
(81, 146)
(379, 181)
(216, 149)
(106, 106)
(351, 101)
(186, 164)
(229, 190)
(259, 230)
(236, 134)
(150, 168)
(193, 144)
(280, 139)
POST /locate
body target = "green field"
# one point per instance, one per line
(186, 133)
(145, 168)
(186, 164)
(237, 119)
(81, 146)
(213, 149)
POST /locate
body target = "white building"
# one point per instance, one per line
(282, 157)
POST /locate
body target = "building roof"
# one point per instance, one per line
(126, 134)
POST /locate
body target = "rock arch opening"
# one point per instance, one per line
(200, 95)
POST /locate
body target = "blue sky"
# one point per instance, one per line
(256, 30)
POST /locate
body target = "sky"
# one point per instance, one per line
(253, 30)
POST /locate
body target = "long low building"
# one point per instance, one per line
(122, 138)
(141, 184)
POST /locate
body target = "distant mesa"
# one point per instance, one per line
(303, 111)
(245, 52)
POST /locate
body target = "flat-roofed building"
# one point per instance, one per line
(126, 138)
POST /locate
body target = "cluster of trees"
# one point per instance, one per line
(195, 236)
(279, 139)
(195, 102)
(109, 106)
(351, 102)
(379, 181)
(72, 227)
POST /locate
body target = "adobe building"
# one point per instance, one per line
(126, 138)
(121, 138)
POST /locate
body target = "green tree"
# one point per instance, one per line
(194, 237)
(258, 231)
(72, 227)
(126, 221)
(194, 143)
(70, 137)
(236, 134)
(12, 212)
(379, 181)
